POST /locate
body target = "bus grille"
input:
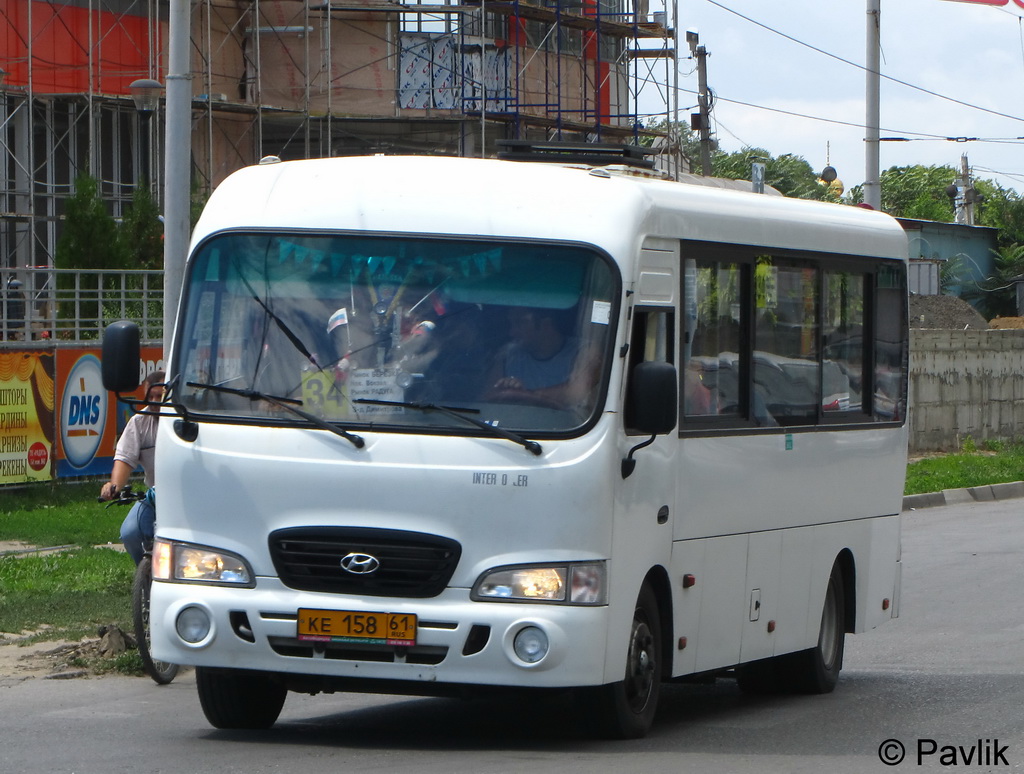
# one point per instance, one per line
(411, 564)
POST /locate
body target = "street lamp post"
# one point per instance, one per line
(146, 94)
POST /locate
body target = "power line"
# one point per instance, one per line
(920, 135)
(863, 68)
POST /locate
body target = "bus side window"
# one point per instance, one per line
(652, 339)
(843, 342)
(713, 369)
(890, 343)
(786, 361)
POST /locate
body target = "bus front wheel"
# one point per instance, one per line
(625, 709)
(239, 699)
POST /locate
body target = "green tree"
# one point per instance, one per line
(141, 234)
(88, 237)
(1001, 209)
(916, 192)
(790, 175)
(88, 242)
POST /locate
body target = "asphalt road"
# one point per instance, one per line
(943, 682)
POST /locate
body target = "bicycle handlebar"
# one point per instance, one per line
(125, 496)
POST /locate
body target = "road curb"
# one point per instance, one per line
(974, 494)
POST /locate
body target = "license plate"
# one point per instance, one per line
(361, 627)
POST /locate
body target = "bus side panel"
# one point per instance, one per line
(797, 622)
(764, 553)
(687, 560)
(744, 583)
(722, 603)
(878, 576)
(750, 483)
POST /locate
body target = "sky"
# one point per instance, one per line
(969, 52)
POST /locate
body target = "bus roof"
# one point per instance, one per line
(514, 199)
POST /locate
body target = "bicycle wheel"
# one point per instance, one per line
(162, 672)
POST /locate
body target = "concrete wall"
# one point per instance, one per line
(965, 383)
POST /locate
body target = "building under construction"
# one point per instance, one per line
(308, 78)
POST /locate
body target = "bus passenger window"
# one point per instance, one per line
(842, 372)
(711, 347)
(785, 362)
(890, 346)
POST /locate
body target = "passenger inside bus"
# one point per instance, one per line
(542, 363)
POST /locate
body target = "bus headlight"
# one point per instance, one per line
(568, 584)
(186, 563)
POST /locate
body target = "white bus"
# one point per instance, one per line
(441, 425)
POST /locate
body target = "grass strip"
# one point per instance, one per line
(1000, 465)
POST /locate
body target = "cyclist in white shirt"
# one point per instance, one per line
(135, 448)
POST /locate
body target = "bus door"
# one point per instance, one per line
(648, 493)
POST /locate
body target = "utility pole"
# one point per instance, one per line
(872, 183)
(701, 121)
(177, 161)
(963, 195)
(969, 194)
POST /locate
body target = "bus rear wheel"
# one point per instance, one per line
(815, 670)
(625, 710)
(239, 699)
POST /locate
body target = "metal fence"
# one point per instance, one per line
(76, 305)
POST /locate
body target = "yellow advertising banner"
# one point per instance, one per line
(26, 415)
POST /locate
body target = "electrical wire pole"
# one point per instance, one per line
(872, 183)
(177, 161)
(703, 118)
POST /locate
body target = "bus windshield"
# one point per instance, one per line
(361, 330)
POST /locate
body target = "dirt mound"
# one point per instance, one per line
(944, 312)
(1004, 323)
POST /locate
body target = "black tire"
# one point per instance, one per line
(626, 709)
(162, 672)
(239, 699)
(815, 670)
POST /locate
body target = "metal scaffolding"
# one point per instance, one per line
(308, 78)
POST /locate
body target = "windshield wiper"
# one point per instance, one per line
(459, 413)
(281, 324)
(289, 404)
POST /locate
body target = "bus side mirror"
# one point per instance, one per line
(654, 397)
(121, 356)
(653, 404)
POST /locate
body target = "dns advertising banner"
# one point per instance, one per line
(55, 417)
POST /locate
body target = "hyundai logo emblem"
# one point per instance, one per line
(360, 564)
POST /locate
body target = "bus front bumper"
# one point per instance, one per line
(457, 641)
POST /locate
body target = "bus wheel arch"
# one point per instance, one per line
(658, 581)
(848, 566)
